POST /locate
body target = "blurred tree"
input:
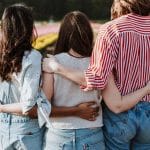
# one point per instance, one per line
(56, 9)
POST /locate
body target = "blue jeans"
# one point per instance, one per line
(128, 130)
(20, 133)
(74, 139)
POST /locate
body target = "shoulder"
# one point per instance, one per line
(112, 28)
(62, 57)
(32, 58)
(35, 55)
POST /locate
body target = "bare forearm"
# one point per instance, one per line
(118, 103)
(16, 109)
(130, 100)
(72, 74)
(64, 111)
(12, 108)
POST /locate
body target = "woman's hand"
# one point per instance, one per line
(148, 87)
(88, 110)
(33, 113)
(50, 64)
(1, 108)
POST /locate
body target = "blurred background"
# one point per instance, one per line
(48, 14)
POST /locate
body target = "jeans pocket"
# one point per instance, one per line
(32, 140)
(57, 140)
(93, 140)
(119, 130)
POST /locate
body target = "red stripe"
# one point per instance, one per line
(122, 45)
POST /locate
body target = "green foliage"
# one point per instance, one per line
(56, 9)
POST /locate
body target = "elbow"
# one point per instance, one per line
(82, 82)
(116, 110)
(32, 113)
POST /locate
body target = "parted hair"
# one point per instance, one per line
(17, 27)
(123, 7)
(75, 33)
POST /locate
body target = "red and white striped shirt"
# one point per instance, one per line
(122, 47)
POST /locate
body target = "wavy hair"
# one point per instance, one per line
(123, 7)
(76, 33)
(17, 29)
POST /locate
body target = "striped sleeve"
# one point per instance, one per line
(103, 59)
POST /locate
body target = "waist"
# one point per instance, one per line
(11, 118)
(76, 131)
(75, 122)
(145, 98)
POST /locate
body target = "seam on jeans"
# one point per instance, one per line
(1, 141)
(22, 146)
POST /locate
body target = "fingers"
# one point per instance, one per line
(92, 103)
(49, 55)
(96, 109)
(94, 106)
(50, 64)
(87, 89)
(93, 117)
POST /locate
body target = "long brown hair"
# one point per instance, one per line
(123, 7)
(76, 33)
(17, 35)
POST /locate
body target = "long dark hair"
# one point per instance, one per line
(76, 33)
(17, 34)
(123, 7)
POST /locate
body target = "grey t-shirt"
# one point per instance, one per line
(68, 93)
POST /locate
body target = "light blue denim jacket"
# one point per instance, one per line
(24, 86)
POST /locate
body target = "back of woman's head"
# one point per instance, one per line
(123, 7)
(75, 33)
(17, 35)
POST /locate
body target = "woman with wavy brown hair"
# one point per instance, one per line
(20, 69)
(123, 7)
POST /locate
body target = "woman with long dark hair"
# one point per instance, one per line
(20, 69)
(72, 131)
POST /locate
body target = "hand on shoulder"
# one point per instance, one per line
(50, 64)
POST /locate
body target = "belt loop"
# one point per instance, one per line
(74, 140)
(9, 119)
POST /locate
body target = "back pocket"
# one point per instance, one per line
(32, 140)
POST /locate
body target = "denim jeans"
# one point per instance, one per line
(128, 130)
(20, 133)
(74, 139)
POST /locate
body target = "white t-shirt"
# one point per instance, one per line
(68, 94)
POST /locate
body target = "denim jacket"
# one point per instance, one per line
(24, 85)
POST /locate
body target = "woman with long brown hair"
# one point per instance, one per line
(20, 69)
(72, 131)
(122, 48)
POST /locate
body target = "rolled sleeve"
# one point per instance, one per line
(30, 84)
(102, 60)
